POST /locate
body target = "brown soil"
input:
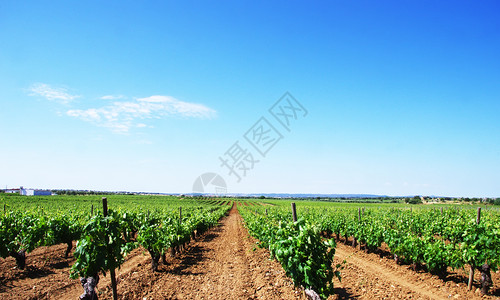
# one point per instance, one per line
(46, 269)
(225, 264)
(370, 276)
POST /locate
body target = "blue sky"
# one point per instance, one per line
(402, 97)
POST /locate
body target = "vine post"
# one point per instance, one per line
(360, 212)
(183, 246)
(471, 272)
(294, 212)
(112, 270)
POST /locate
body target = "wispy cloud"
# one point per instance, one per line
(48, 92)
(120, 117)
(112, 97)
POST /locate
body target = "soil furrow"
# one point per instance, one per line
(224, 264)
(396, 281)
(368, 276)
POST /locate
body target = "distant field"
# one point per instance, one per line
(64, 203)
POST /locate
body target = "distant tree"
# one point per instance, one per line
(414, 200)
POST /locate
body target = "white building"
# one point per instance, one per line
(29, 192)
(33, 192)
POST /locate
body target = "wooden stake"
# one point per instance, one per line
(111, 271)
(471, 272)
(105, 206)
(294, 212)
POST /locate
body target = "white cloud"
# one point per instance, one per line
(112, 97)
(60, 95)
(120, 117)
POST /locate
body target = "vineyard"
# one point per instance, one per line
(131, 247)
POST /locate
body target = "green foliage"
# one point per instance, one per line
(424, 236)
(481, 244)
(63, 229)
(436, 239)
(102, 241)
(305, 257)
(102, 246)
(10, 227)
(21, 232)
(299, 248)
(161, 231)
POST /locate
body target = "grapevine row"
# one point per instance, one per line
(298, 246)
(104, 239)
(433, 238)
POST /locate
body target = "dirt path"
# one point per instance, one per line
(221, 264)
(46, 270)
